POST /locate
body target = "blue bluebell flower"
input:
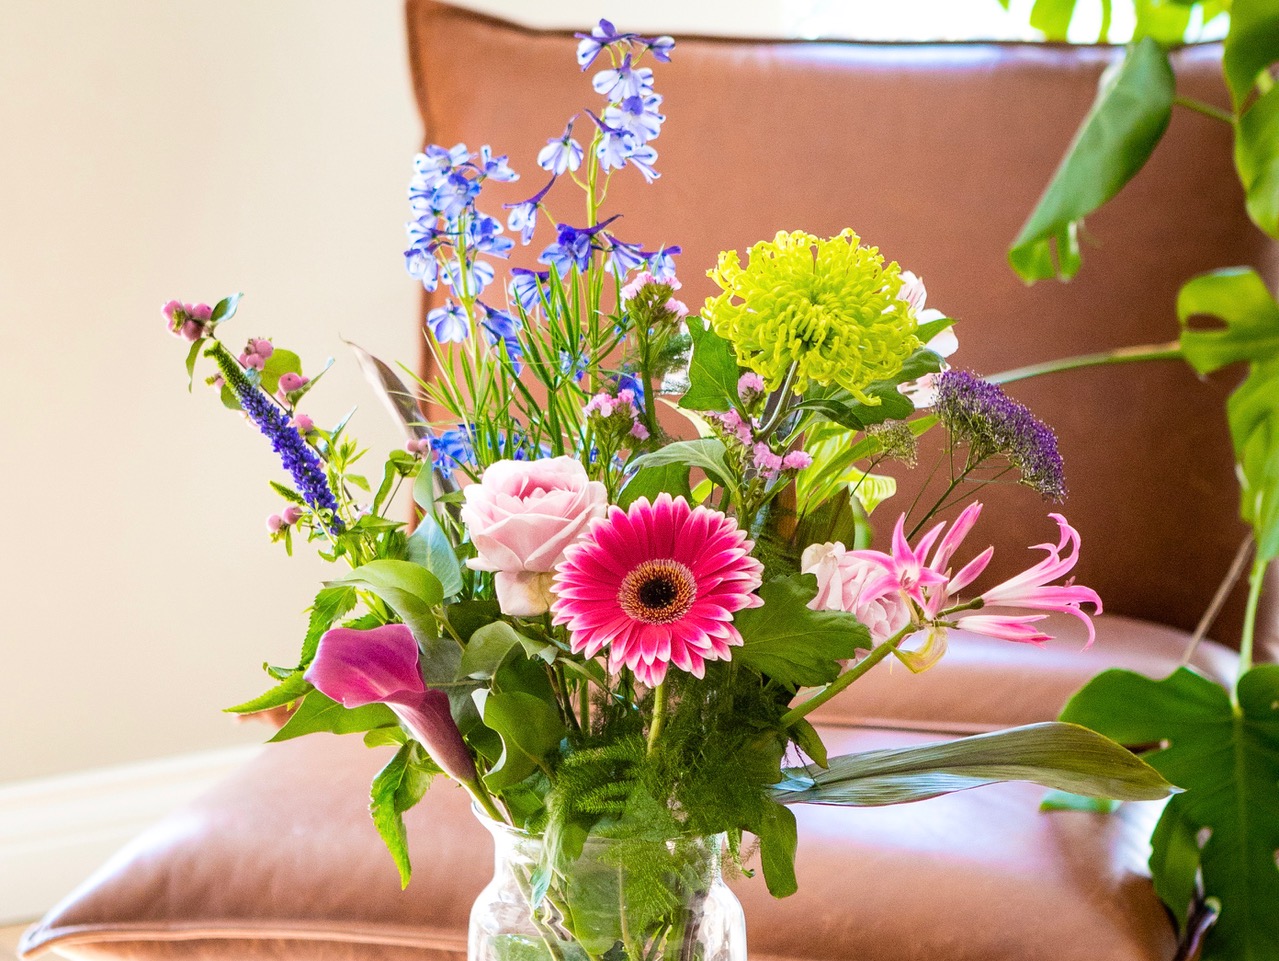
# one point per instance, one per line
(421, 263)
(573, 365)
(468, 278)
(453, 195)
(637, 116)
(495, 168)
(297, 457)
(623, 257)
(436, 162)
(453, 448)
(643, 158)
(528, 287)
(624, 81)
(660, 264)
(523, 216)
(448, 324)
(661, 48)
(592, 44)
(483, 235)
(561, 153)
(628, 381)
(501, 327)
(573, 247)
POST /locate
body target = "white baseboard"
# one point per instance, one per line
(55, 831)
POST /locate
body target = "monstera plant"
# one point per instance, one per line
(1214, 849)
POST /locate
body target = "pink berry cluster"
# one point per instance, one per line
(188, 321)
(276, 523)
(419, 447)
(256, 353)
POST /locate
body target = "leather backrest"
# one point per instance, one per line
(936, 153)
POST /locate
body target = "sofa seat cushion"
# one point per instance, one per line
(984, 683)
(282, 861)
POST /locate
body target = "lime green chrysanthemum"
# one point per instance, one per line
(828, 307)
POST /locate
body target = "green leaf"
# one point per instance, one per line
(871, 490)
(487, 649)
(1251, 46)
(651, 481)
(225, 308)
(1052, 17)
(790, 643)
(329, 605)
(706, 453)
(712, 372)
(410, 589)
(192, 355)
(778, 840)
(1065, 801)
(286, 692)
(1127, 120)
(429, 546)
(530, 728)
(1227, 759)
(320, 713)
(1251, 333)
(395, 789)
(810, 742)
(288, 493)
(1174, 860)
(385, 737)
(1062, 756)
(399, 400)
(1257, 160)
(280, 362)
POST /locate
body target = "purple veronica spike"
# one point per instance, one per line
(302, 463)
(380, 666)
(448, 323)
(981, 414)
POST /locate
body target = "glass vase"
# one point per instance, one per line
(621, 900)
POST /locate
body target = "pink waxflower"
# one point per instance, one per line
(657, 585)
(262, 347)
(841, 579)
(522, 517)
(380, 666)
(289, 382)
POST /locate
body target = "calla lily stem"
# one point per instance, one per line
(1124, 355)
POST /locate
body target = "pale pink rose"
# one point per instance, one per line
(841, 578)
(522, 516)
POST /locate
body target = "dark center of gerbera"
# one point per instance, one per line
(658, 591)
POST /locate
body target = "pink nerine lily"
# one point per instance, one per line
(928, 584)
(380, 666)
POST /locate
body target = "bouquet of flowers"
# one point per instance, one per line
(602, 631)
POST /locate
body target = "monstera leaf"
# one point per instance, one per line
(1226, 824)
(1127, 120)
(1251, 333)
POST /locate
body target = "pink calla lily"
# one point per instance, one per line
(380, 666)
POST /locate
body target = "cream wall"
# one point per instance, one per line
(152, 149)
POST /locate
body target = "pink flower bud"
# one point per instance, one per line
(639, 431)
(252, 360)
(262, 347)
(289, 382)
(677, 307)
(303, 423)
(200, 312)
(292, 514)
(274, 523)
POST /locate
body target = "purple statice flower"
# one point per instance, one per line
(624, 81)
(302, 463)
(573, 247)
(448, 324)
(528, 286)
(523, 216)
(992, 423)
(637, 116)
(561, 153)
(495, 168)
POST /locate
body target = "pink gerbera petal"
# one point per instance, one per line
(657, 585)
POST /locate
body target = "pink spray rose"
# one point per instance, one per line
(841, 578)
(522, 516)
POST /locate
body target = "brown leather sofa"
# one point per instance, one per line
(935, 153)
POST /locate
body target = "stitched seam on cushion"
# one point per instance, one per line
(91, 933)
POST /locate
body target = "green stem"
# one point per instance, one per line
(659, 716)
(1124, 355)
(876, 655)
(1255, 580)
(1207, 109)
(783, 400)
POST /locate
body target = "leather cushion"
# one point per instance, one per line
(282, 861)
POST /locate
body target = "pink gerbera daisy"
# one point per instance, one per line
(657, 584)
